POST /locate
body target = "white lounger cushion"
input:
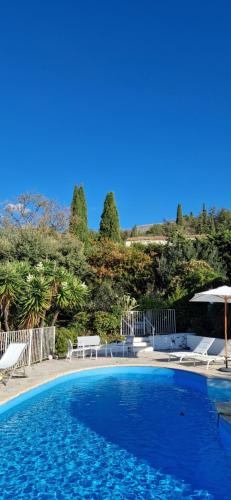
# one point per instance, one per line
(12, 355)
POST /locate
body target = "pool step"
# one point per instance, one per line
(140, 345)
(142, 341)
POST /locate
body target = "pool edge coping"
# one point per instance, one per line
(114, 365)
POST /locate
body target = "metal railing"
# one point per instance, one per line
(40, 343)
(164, 320)
(153, 331)
(147, 323)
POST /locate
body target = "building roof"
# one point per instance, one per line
(144, 237)
(162, 238)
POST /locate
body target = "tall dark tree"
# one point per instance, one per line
(73, 210)
(134, 231)
(179, 215)
(212, 220)
(203, 221)
(83, 205)
(78, 217)
(204, 215)
(109, 224)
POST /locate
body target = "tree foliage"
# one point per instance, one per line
(179, 215)
(34, 210)
(78, 217)
(29, 296)
(109, 224)
(207, 222)
(44, 268)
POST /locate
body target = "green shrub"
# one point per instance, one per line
(81, 323)
(107, 326)
(61, 340)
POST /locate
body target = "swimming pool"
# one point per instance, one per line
(118, 433)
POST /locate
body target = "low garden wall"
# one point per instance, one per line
(183, 340)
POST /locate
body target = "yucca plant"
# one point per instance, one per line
(69, 294)
(9, 288)
(34, 301)
(36, 291)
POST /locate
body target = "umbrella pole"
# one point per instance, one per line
(226, 337)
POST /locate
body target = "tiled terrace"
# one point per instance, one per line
(49, 370)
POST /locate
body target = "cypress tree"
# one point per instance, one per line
(212, 218)
(212, 225)
(73, 211)
(83, 205)
(204, 214)
(203, 220)
(179, 215)
(109, 224)
(78, 217)
(134, 231)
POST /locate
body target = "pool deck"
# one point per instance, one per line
(49, 370)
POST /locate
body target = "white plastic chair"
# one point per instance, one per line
(72, 350)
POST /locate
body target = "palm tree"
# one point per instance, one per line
(69, 293)
(34, 301)
(47, 289)
(9, 287)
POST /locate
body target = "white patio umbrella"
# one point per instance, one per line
(221, 294)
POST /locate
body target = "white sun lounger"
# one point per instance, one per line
(216, 358)
(10, 360)
(200, 350)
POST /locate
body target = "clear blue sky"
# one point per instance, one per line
(126, 96)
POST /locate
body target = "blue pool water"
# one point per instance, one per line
(118, 433)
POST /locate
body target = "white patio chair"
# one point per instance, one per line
(10, 360)
(72, 350)
(199, 351)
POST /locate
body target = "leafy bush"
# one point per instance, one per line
(61, 340)
(107, 326)
(81, 323)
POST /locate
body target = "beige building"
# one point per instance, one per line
(158, 240)
(146, 240)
